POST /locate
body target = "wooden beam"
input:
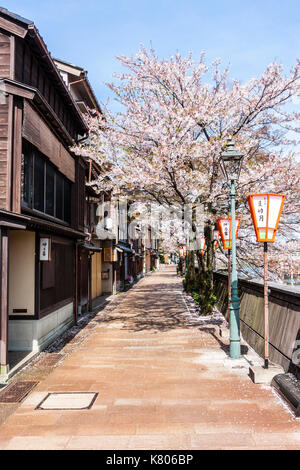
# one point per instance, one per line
(4, 366)
(34, 95)
(17, 156)
(12, 57)
(9, 152)
(13, 28)
(12, 225)
(17, 89)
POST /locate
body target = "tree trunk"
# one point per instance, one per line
(201, 284)
(205, 274)
(191, 278)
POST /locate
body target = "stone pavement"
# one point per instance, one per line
(164, 381)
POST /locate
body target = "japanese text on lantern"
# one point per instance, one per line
(260, 207)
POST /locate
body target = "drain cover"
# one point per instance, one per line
(15, 392)
(68, 401)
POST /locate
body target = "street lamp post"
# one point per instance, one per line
(231, 164)
(229, 282)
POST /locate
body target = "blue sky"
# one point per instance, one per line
(247, 35)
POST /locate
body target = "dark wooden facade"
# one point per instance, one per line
(90, 256)
(42, 183)
(43, 194)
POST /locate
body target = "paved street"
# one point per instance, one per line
(163, 382)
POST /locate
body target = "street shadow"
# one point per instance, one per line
(161, 312)
(149, 321)
(85, 321)
(224, 346)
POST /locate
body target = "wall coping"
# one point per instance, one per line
(273, 286)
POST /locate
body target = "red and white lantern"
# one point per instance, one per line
(202, 244)
(182, 251)
(265, 212)
(225, 231)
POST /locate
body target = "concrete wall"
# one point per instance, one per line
(35, 335)
(284, 317)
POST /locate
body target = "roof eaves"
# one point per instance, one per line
(35, 35)
(86, 82)
(30, 29)
(68, 64)
(16, 17)
(93, 96)
(33, 94)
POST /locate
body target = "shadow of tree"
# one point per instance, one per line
(224, 346)
(157, 307)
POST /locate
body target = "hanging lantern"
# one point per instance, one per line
(202, 244)
(183, 251)
(265, 212)
(216, 236)
(225, 230)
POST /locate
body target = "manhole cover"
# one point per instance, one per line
(68, 401)
(15, 392)
(50, 360)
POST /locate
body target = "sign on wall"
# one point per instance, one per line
(45, 249)
(107, 255)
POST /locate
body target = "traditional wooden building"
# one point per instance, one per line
(89, 254)
(42, 192)
(53, 261)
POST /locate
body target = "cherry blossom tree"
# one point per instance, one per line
(165, 144)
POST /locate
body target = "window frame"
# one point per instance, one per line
(30, 153)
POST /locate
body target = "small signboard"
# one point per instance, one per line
(45, 249)
(107, 255)
(105, 274)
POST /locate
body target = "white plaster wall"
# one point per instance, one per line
(35, 335)
(21, 271)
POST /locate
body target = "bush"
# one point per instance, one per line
(198, 297)
(161, 259)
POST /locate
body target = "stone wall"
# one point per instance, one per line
(284, 318)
